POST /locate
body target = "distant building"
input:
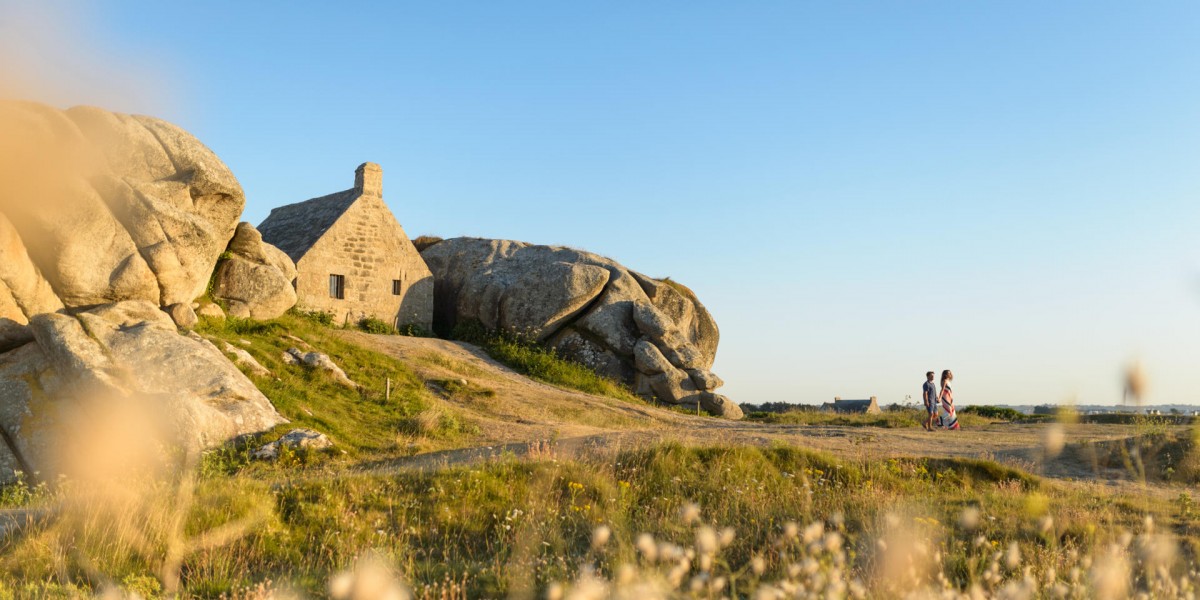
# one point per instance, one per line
(838, 405)
(353, 258)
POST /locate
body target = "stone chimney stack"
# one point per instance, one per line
(368, 179)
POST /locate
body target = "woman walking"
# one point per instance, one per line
(946, 402)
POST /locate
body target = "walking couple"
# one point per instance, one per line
(939, 404)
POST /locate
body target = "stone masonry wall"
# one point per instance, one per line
(370, 249)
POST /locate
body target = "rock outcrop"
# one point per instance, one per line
(246, 360)
(255, 278)
(320, 362)
(110, 227)
(651, 334)
(295, 439)
(99, 207)
(76, 367)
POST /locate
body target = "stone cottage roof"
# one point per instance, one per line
(853, 406)
(295, 228)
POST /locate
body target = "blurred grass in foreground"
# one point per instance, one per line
(520, 527)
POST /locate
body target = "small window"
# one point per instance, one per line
(395, 287)
(337, 286)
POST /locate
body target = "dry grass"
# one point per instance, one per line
(425, 241)
(747, 521)
(644, 519)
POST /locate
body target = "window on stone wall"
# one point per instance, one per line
(337, 286)
(395, 287)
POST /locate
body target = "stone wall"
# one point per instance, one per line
(370, 249)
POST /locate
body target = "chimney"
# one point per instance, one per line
(368, 180)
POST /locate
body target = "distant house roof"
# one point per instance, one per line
(853, 406)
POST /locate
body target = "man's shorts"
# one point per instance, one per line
(931, 409)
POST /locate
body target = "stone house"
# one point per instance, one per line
(838, 405)
(353, 259)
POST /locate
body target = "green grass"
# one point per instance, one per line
(994, 412)
(517, 527)
(887, 419)
(541, 363)
(509, 524)
(363, 421)
(679, 287)
(545, 365)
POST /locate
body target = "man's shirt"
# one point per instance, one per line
(930, 392)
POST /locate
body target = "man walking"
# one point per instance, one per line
(930, 395)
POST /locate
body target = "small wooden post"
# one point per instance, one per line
(388, 394)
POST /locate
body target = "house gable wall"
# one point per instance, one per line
(369, 248)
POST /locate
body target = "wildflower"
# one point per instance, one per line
(1045, 524)
(1054, 440)
(706, 540)
(646, 545)
(1135, 382)
(626, 574)
(689, 513)
(668, 551)
(371, 578)
(790, 530)
(727, 536)
(969, 519)
(812, 532)
(1012, 558)
(600, 536)
(758, 565)
(1110, 576)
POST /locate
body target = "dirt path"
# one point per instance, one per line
(521, 417)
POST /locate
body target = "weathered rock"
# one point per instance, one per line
(13, 334)
(296, 438)
(590, 309)
(673, 387)
(98, 207)
(183, 315)
(245, 359)
(108, 355)
(705, 380)
(682, 307)
(208, 310)
(317, 360)
(514, 298)
(255, 280)
(579, 347)
(655, 325)
(720, 406)
(648, 359)
(642, 387)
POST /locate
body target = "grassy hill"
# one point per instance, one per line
(453, 476)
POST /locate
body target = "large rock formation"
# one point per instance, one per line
(110, 226)
(255, 279)
(99, 207)
(118, 355)
(652, 334)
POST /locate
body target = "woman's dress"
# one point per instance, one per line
(946, 413)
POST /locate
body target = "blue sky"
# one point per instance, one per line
(860, 192)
